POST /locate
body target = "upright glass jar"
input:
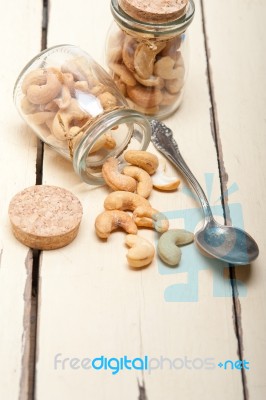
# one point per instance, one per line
(147, 53)
(74, 106)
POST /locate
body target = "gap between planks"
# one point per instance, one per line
(32, 264)
(236, 306)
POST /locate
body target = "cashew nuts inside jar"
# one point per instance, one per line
(147, 53)
(74, 106)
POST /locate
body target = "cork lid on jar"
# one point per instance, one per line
(45, 217)
(154, 11)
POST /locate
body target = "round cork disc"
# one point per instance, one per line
(154, 10)
(45, 217)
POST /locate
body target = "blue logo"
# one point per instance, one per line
(238, 364)
(192, 262)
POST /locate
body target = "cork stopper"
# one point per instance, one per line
(45, 217)
(154, 11)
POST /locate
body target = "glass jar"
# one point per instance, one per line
(148, 58)
(74, 106)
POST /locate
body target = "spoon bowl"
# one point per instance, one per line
(226, 243)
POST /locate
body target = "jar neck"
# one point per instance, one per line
(171, 28)
(136, 134)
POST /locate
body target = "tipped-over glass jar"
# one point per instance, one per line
(146, 52)
(73, 105)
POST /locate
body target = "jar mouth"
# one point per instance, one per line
(167, 28)
(130, 129)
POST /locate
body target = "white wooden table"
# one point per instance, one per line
(82, 301)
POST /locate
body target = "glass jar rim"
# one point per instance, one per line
(106, 122)
(167, 28)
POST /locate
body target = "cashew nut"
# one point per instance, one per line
(107, 100)
(166, 69)
(51, 106)
(168, 249)
(74, 136)
(83, 86)
(144, 186)
(65, 99)
(121, 85)
(143, 110)
(162, 181)
(64, 118)
(43, 93)
(124, 74)
(41, 117)
(36, 77)
(145, 57)
(151, 81)
(175, 85)
(97, 89)
(108, 221)
(141, 251)
(145, 96)
(68, 80)
(121, 200)
(115, 179)
(150, 218)
(106, 141)
(143, 159)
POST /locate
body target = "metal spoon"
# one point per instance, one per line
(229, 244)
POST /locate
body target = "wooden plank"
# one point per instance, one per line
(91, 304)
(238, 71)
(19, 40)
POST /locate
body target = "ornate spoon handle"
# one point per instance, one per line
(162, 138)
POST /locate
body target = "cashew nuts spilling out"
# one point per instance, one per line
(115, 179)
(150, 218)
(143, 159)
(121, 200)
(162, 181)
(141, 251)
(144, 186)
(108, 221)
(169, 242)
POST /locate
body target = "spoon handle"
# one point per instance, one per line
(162, 138)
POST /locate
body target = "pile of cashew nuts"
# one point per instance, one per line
(131, 188)
(62, 101)
(150, 73)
